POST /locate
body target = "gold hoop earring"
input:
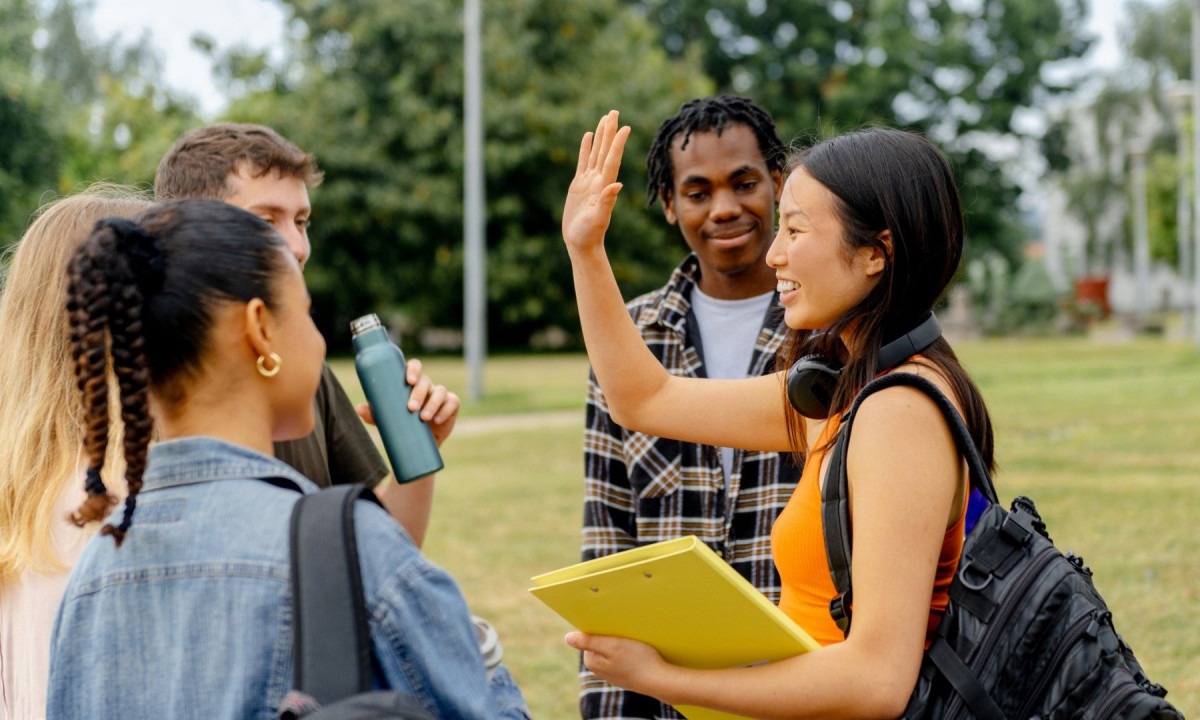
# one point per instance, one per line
(261, 363)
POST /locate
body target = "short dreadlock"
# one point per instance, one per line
(704, 115)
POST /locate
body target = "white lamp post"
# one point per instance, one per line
(1180, 96)
(475, 251)
(1196, 166)
(1141, 234)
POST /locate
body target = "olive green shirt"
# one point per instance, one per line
(338, 450)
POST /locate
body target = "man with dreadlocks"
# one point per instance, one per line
(716, 167)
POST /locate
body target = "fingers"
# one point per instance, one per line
(597, 644)
(441, 412)
(585, 151)
(577, 640)
(433, 401)
(364, 412)
(597, 651)
(596, 147)
(608, 199)
(413, 371)
(609, 123)
(612, 161)
(448, 409)
(597, 138)
(424, 394)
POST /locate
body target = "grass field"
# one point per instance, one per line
(1106, 439)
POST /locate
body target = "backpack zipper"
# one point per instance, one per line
(1075, 632)
(996, 625)
(1115, 700)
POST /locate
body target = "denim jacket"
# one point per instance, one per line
(192, 615)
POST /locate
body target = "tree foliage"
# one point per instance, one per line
(380, 104)
(960, 71)
(29, 147)
(375, 90)
(74, 111)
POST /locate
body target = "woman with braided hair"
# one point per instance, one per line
(185, 607)
(42, 468)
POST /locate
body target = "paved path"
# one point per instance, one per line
(468, 427)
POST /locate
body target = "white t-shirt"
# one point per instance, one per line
(728, 330)
(27, 610)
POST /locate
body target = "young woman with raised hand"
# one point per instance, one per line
(184, 607)
(870, 235)
(42, 464)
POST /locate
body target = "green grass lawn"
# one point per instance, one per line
(1106, 439)
(512, 384)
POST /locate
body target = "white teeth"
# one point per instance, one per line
(787, 285)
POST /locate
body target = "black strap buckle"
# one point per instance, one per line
(839, 609)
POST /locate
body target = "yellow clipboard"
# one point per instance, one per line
(682, 599)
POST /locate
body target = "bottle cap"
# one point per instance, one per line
(367, 322)
(489, 642)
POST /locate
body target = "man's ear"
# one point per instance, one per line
(256, 318)
(777, 180)
(668, 205)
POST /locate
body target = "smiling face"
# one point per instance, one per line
(281, 200)
(723, 201)
(820, 277)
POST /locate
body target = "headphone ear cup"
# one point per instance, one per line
(810, 385)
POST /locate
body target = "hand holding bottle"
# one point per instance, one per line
(438, 406)
(408, 440)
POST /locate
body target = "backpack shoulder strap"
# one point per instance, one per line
(331, 640)
(835, 495)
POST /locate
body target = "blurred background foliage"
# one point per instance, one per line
(375, 90)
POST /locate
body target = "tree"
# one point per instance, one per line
(29, 150)
(1087, 147)
(379, 101)
(74, 111)
(958, 71)
(131, 121)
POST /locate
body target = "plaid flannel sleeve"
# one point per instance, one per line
(609, 504)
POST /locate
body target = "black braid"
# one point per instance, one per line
(133, 377)
(108, 275)
(704, 115)
(88, 306)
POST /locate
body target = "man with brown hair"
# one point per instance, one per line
(258, 170)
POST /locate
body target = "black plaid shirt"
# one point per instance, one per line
(641, 489)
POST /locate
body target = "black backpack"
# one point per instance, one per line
(332, 643)
(1025, 635)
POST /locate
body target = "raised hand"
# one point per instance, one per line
(594, 189)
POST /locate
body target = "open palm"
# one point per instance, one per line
(593, 192)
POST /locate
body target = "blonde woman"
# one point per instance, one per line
(42, 465)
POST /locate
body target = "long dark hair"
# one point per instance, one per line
(141, 295)
(886, 179)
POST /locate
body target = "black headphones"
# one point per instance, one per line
(812, 379)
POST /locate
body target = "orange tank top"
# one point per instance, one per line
(798, 546)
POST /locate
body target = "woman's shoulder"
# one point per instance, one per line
(903, 409)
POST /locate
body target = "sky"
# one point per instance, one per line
(251, 23)
(259, 24)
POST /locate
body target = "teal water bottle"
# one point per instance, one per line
(381, 370)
